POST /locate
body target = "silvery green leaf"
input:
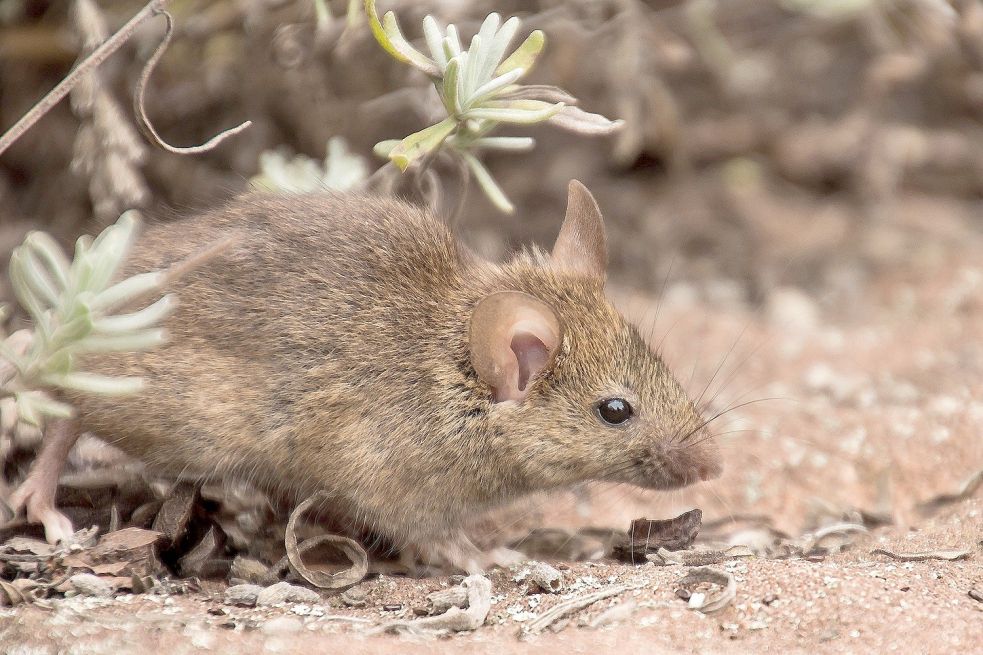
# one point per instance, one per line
(498, 47)
(525, 55)
(577, 120)
(73, 330)
(431, 31)
(523, 114)
(451, 86)
(482, 47)
(514, 143)
(52, 255)
(469, 69)
(26, 410)
(383, 148)
(126, 290)
(452, 41)
(389, 36)
(421, 143)
(543, 92)
(488, 184)
(492, 86)
(25, 294)
(41, 404)
(127, 342)
(36, 275)
(141, 320)
(94, 383)
(110, 249)
(7, 353)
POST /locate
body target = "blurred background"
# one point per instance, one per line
(792, 206)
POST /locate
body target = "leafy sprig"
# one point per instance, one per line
(478, 88)
(73, 306)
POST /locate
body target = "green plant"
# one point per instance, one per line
(479, 92)
(340, 171)
(73, 307)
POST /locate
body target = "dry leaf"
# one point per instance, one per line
(710, 603)
(646, 536)
(350, 549)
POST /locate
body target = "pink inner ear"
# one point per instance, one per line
(531, 354)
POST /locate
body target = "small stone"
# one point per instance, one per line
(392, 607)
(284, 592)
(976, 593)
(769, 599)
(252, 571)
(244, 595)
(283, 625)
(682, 594)
(88, 584)
(355, 597)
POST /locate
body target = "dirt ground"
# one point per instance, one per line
(793, 215)
(863, 417)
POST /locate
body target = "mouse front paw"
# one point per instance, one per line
(36, 498)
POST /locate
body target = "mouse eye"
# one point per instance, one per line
(614, 411)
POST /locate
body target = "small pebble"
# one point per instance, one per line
(392, 607)
(355, 597)
(976, 594)
(284, 592)
(88, 584)
(769, 599)
(244, 595)
(283, 625)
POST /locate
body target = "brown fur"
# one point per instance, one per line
(327, 348)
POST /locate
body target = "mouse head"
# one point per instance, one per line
(576, 392)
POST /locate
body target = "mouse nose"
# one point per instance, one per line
(709, 471)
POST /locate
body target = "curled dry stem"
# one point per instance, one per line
(93, 61)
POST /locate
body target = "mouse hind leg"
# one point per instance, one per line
(36, 494)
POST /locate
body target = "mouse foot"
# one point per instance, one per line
(37, 501)
(459, 553)
(36, 494)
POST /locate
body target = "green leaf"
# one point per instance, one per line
(51, 253)
(420, 143)
(450, 87)
(525, 55)
(389, 36)
(488, 184)
(94, 383)
(431, 31)
(129, 342)
(40, 404)
(128, 289)
(514, 143)
(499, 45)
(141, 320)
(491, 87)
(519, 113)
(25, 294)
(383, 148)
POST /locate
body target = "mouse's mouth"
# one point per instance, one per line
(665, 471)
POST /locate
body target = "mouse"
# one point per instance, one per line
(352, 344)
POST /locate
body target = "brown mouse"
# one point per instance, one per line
(349, 343)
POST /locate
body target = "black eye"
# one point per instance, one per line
(614, 410)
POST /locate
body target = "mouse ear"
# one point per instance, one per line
(581, 247)
(513, 336)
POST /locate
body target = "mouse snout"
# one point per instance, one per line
(693, 461)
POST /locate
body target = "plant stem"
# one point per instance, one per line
(99, 55)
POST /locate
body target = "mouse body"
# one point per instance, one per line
(349, 343)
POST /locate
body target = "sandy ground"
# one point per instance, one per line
(871, 413)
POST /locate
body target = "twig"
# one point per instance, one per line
(556, 613)
(99, 55)
(139, 108)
